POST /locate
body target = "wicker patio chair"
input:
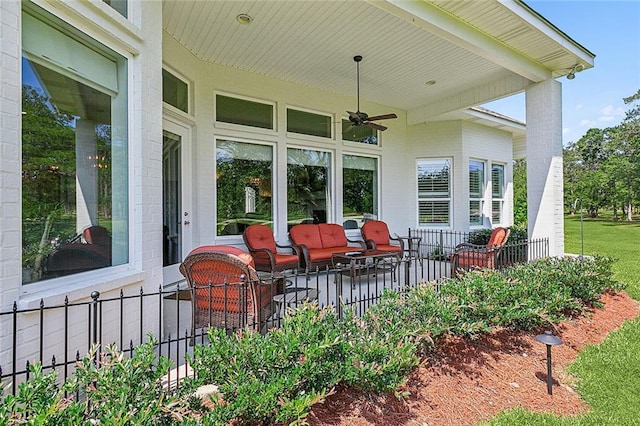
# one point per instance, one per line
(376, 235)
(263, 247)
(226, 291)
(468, 256)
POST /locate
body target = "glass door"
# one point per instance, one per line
(175, 200)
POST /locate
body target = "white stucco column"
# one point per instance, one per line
(544, 164)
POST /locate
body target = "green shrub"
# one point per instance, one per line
(40, 401)
(278, 377)
(382, 353)
(116, 391)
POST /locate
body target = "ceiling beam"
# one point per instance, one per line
(468, 98)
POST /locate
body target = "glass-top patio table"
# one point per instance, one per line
(355, 264)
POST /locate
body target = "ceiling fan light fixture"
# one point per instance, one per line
(244, 19)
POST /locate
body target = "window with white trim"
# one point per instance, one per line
(308, 123)
(434, 192)
(476, 192)
(359, 190)
(497, 193)
(244, 176)
(244, 112)
(119, 6)
(75, 175)
(308, 186)
(362, 134)
(175, 91)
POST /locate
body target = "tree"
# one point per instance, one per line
(628, 148)
(583, 164)
(520, 194)
(602, 168)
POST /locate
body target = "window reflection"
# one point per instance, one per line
(359, 190)
(74, 157)
(308, 196)
(243, 183)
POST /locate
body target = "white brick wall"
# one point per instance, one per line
(461, 141)
(10, 161)
(141, 44)
(10, 164)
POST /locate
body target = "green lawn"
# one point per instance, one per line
(619, 240)
(609, 373)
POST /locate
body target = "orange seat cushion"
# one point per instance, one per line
(377, 231)
(307, 234)
(388, 247)
(260, 237)
(246, 257)
(497, 237)
(332, 235)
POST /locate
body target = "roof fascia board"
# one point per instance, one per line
(487, 117)
(467, 98)
(540, 23)
(435, 20)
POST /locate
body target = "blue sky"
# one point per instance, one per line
(610, 30)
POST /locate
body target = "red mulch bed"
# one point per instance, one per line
(466, 381)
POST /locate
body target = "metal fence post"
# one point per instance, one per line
(94, 319)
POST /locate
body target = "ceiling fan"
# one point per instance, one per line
(360, 118)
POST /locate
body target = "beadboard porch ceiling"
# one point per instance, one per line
(475, 51)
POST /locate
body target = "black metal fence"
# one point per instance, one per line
(58, 336)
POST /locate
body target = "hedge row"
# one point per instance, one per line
(277, 377)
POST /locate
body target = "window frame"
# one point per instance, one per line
(478, 197)
(330, 185)
(171, 108)
(118, 7)
(296, 135)
(376, 197)
(449, 199)
(498, 199)
(234, 139)
(378, 136)
(69, 284)
(243, 127)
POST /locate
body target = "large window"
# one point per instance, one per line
(243, 181)
(359, 190)
(308, 196)
(434, 192)
(497, 193)
(476, 192)
(74, 153)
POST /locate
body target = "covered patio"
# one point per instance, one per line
(212, 115)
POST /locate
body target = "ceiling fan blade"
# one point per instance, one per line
(382, 117)
(375, 126)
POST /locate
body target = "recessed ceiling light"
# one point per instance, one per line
(244, 19)
(430, 83)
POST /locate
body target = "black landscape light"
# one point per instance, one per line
(550, 340)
